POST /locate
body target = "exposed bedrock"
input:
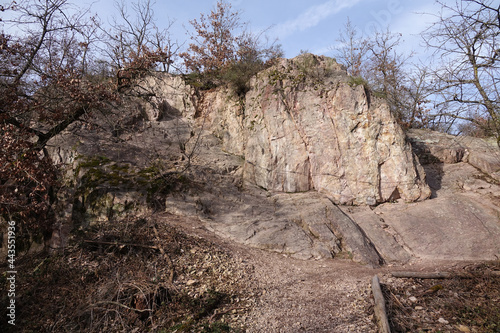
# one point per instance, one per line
(305, 125)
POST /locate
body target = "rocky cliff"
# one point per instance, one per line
(314, 130)
(295, 166)
(305, 125)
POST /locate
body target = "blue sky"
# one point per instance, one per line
(311, 25)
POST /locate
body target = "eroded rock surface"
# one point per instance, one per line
(457, 224)
(303, 225)
(271, 170)
(309, 128)
(435, 147)
(461, 221)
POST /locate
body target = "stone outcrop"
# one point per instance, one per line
(306, 126)
(460, 222)
(302, 225)
(434, 147)
(274, 168)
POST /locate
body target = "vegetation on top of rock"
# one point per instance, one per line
(223, 52)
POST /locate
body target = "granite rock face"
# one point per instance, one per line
(305, 125)
(310, 128)
(271, 167)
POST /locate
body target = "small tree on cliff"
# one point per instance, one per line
(352, 50)
(390, 77)
(223, 51)
(214, 43)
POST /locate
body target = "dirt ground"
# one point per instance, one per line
(166, 273)
(300, 295)
(335, 295)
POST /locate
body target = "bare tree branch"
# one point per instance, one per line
(466, 40)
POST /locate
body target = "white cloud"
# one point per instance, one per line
(312, 17)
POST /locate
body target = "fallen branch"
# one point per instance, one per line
(397, 301)
(216, 314)
(422, 275)
(39, 265)
(439, 275)
(380, 312)
(119, 304)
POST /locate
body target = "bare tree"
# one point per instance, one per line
(162, 40)
(377, 62)
(386, 71)
(135, 36)
(352, 50)
(415, 96)
(465, 38)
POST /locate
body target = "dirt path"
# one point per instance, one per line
(295, 295)
(311, 296)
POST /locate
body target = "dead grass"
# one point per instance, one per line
(470, 303)
(133, 276)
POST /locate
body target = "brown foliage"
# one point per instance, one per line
(124, 277)
(43, 90)
(215, 45)
(26, 181)
(223, 52)
(138, 65)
